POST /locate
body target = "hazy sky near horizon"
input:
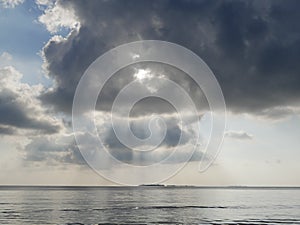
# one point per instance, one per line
(253, 48)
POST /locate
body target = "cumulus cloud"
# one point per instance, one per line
(241, 135)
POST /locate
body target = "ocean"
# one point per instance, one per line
(149, 205)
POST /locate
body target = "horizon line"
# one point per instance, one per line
(151, 186)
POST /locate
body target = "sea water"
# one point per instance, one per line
(149, 205)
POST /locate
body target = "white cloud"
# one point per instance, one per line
(45, 2)
(11, 3)
(56, 17)
(241, 135)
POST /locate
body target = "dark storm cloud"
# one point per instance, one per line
(253, 47)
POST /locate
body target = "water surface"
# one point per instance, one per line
(149, 205)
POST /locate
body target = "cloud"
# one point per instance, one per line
(279, 113)
(143, 158)
(241, 135)
(48, 3)
(19, 107)
(6, 130)
(58, 149)
(139, 127)
(56, 16)
(175, 137)
(150, 105)
(11, 3)
(5, 59)
(245, 44)
(55, 150)
(5, 56)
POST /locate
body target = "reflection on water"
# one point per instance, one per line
(149, 205)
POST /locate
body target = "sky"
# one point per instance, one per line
(252, 47)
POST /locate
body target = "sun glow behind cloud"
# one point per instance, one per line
(142, 74)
